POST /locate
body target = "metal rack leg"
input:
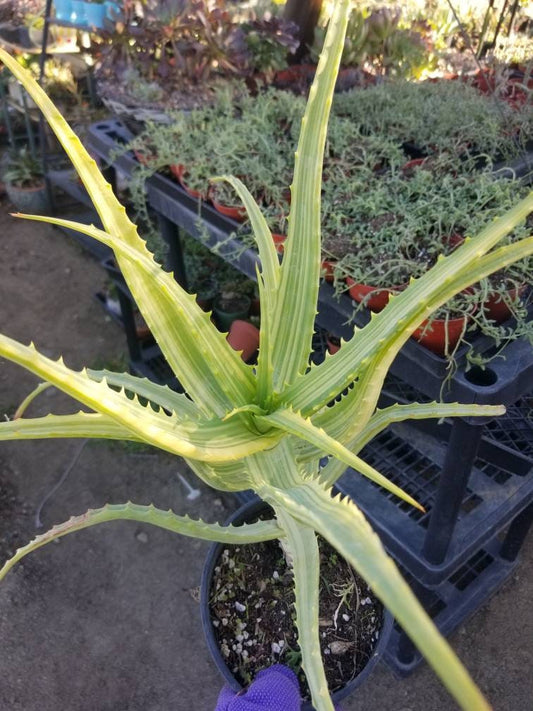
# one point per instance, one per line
(128, 319)
(462, 450)
(7, 118)
(170, 233)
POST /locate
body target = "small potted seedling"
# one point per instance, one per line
(25, 183)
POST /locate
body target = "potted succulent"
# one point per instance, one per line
(246, 590)
(190, 50)
(234, 298)
(25, 183)
(267, 427)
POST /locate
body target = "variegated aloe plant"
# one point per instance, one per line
(266, 428)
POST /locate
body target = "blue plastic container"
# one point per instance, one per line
(63, 10)
(95, 14)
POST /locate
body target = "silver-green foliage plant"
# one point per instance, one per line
(266, 428)
(424, 113)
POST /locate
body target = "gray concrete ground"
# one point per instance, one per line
(106, 619)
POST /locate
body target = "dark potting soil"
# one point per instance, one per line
(252, 611)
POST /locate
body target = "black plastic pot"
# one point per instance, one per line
(250, 512)
(225, 315)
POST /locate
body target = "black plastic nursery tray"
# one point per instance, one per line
(170, 200)
(499, 487)
(502, 381)
(453, 602)
(152, 365)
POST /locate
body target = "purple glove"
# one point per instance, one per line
(273, 689)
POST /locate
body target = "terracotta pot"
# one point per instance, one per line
(374, 297)
(179, 172)
(235, 212)
(442, 335)
(144, 157)
(243, 336)
(495, 307)
(279, 241)
(517, 93)
(328, 270)
(483, 80)
(333, 343)
(297, 74)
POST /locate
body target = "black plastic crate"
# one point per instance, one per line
(499, 486)
(454, 601)
(515, 429)
(509, 434)
(152, 365)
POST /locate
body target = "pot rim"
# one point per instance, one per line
(22, 189)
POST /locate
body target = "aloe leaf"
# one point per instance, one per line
(422, 411)
(160, 395)
(210, 370)
(339, 423)
(80, 425)
(305, 557)
(212, 440)
(333, 518)
(399, 413)
(376, 345)
(111, 212)
(267, 252)
(276, 467)
(300, 271)
(227, 476)
(295, 424)
(21, 409)
(268, 282)
(248, 533)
